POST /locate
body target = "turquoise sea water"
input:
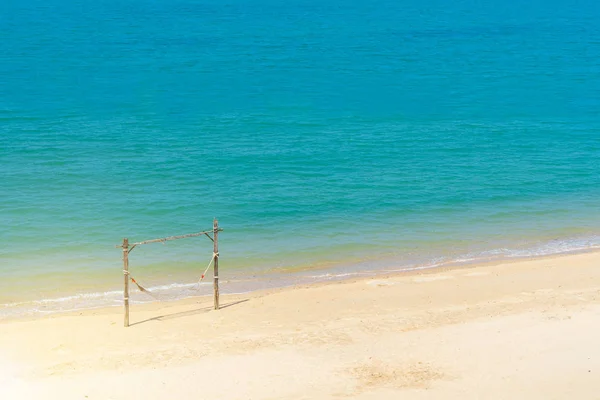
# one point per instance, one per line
(330, 138)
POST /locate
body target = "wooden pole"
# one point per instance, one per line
(126, 279)
(216, 262)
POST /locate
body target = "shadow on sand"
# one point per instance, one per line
(188, 313)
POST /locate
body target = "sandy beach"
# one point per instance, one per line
(515, 330)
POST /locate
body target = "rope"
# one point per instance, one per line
(149, 293)
(215, 255)
(143, 289)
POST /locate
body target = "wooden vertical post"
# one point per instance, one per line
(216, 262)
(126, 279)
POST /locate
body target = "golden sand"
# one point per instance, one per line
(519, 330)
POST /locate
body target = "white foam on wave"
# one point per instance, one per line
(548, 248)
(175, 291)
(81, 296)
(341, 275)
(103, 295)
(93, 300)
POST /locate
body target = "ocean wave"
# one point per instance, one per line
(179, 290)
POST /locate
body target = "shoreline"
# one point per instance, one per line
(499, 329)
(153, 305)
(326, 279)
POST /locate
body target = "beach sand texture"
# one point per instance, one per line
(519, 330)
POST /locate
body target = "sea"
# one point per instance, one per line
(331, 139)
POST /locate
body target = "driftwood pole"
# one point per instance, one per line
(126, 279)
(127, 248)
(216, 262)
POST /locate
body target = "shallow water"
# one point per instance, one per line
(328, 138)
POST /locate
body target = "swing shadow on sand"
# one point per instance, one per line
(188, 313)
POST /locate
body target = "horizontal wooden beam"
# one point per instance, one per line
(172, 238)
